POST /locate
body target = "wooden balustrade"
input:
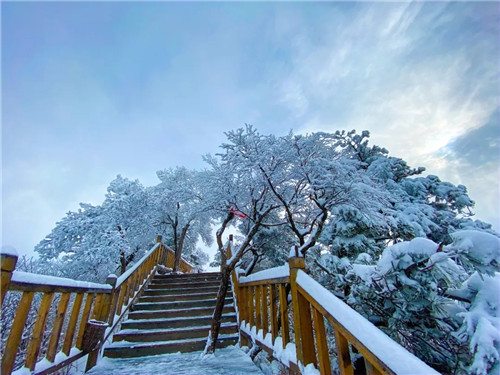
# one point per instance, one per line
(263, 309)
(62, 300)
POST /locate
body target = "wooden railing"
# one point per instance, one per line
(69, 337)
(295, 332)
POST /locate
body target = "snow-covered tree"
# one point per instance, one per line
(439, 301)
(181, 212)
(288, 183)
(98, 240)
(92, 242)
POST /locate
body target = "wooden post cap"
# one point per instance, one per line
(111, 280)
(8, 261)
(297, 262)
(158, 239)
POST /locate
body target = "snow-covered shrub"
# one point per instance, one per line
(440, 302)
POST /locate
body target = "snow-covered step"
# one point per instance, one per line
(179, 297)
(179, 284)
(174, 314)
(203, 275)
(177, 304)
(123, 349)
(191, 321)
(141, 335)
(177, 291)
(177, 313)
(225, 361)
(191, 277)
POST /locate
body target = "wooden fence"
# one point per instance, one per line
(70, 336)
(295, 332)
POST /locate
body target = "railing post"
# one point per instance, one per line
(302, 322)
(242, 302)
(273, 307)
(9, 261)
(163, 252)
(103, 312)
(111, 280)
(285, 329)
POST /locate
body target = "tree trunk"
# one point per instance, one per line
(216, 320)
(178, 250)
(123, 263)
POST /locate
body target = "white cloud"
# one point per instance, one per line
(384, 72)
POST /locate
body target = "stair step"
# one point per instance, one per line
(140, 335)
(186, 280)
(127, 350)
(188, 275)
(177, 304)
(205, 320)
(176, 313)
(180, 297)
(162, 284)
(177, 291)
(156, 284)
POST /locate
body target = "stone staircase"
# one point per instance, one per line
(174, 315)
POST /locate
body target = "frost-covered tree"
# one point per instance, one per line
(413, 207)
(440, 302)
(181, 212)
(95, 240)
(98, 240)
(232, 189)
(287, 184)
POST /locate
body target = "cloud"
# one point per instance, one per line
(127, 88)
(422, 77)
(477, 146)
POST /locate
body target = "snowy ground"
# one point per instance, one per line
(227, 361)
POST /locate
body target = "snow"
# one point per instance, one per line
(45, 363)
(9, 250)
(271, 273)
(22, 371)
(308, 242)
(31, 278)
(396, 253)
(153, 330)
(391, 353)
(364, 272)
(482, 320)
(131, 270)
(226, 361)
(285, 356)
(309, 370)
(480, 246)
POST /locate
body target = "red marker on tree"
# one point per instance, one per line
(238, 213)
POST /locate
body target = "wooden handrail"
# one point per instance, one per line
(103, 302)
(25, 281)
(264, 319)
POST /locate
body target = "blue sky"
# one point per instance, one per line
(95, 89)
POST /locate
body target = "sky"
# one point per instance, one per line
(91, 90)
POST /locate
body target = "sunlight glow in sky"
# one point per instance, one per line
(95, 89)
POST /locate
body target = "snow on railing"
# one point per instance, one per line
(265, 309)
(271, 273)
(29, 310)
(371, 341)
(82, 334)
(124, 276)
(27, 281)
